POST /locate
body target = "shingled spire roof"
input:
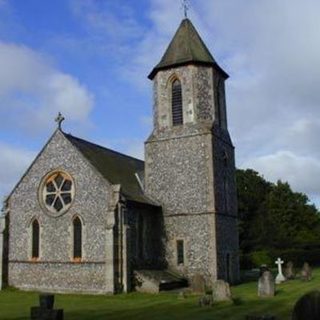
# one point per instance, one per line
(186, 47)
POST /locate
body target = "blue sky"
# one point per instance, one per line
(90, 59)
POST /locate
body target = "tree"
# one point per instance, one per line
(272, 216)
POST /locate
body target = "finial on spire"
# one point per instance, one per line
(59, 119)
(185, 7)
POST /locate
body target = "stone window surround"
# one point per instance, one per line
(181, 267)
(70, 239)
(83, 240)
(30, 239)
(172, 78)
(41, 192)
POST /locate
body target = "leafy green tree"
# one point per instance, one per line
(272, 216)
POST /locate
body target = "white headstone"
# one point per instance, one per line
(280, 277)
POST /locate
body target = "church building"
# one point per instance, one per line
(84, 218)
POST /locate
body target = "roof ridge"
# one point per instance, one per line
(102, 147)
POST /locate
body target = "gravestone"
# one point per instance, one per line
(221, 291)
(265, 317)
(263, 268)
(198, 284)
(46, 311)
(266, 285)
(288, 271)
(307, 307)
(206, 301)
(280, 277)
(181, 295)
(306, 272)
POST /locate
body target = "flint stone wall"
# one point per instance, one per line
(90, 204)
(185, 171)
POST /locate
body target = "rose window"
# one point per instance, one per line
(58, 191)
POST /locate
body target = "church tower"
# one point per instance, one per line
(189, 160)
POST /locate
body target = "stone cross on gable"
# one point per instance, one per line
(59, 119)
(280, 277)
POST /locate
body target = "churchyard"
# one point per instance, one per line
(15, 305)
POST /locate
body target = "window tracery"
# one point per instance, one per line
(57, 192)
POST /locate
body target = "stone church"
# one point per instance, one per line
(84, 218)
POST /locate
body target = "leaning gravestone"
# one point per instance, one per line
(266, 285)
(221, 291)
(46, 311)
(198, 284)
(288, 271)
(306, 272)
(307, 307)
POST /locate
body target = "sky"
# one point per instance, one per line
(90, 59)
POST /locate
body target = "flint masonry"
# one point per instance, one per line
(84, 218)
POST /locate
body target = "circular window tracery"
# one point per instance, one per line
(57, 192)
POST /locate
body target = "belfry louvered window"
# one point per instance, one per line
(77, 239)
(177, 110)
(35, 239)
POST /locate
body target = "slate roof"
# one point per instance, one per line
(115, 167)
(186, 47)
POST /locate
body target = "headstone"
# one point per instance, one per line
(266, 285)
(206, 301)
(221, 291)
(263, 268)
(280, 277)
(307, 307)
(198, 284)
(306, 272)
(288, 271)
(264, 317)
(46, 311)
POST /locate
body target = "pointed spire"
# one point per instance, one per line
(186, 47)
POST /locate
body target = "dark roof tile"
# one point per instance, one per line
(186, 47)
(115, 167)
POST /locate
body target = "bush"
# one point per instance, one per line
(261, 257)
(255, 259)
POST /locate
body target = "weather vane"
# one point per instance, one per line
(185, 7)
(59, 119)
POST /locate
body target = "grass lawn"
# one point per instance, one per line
(16, 304)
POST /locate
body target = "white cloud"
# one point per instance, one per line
(32, 90)
(301, 172)
(15, 161)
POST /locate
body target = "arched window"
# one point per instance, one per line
(77, 239)
(177, 111)
(35, 239)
